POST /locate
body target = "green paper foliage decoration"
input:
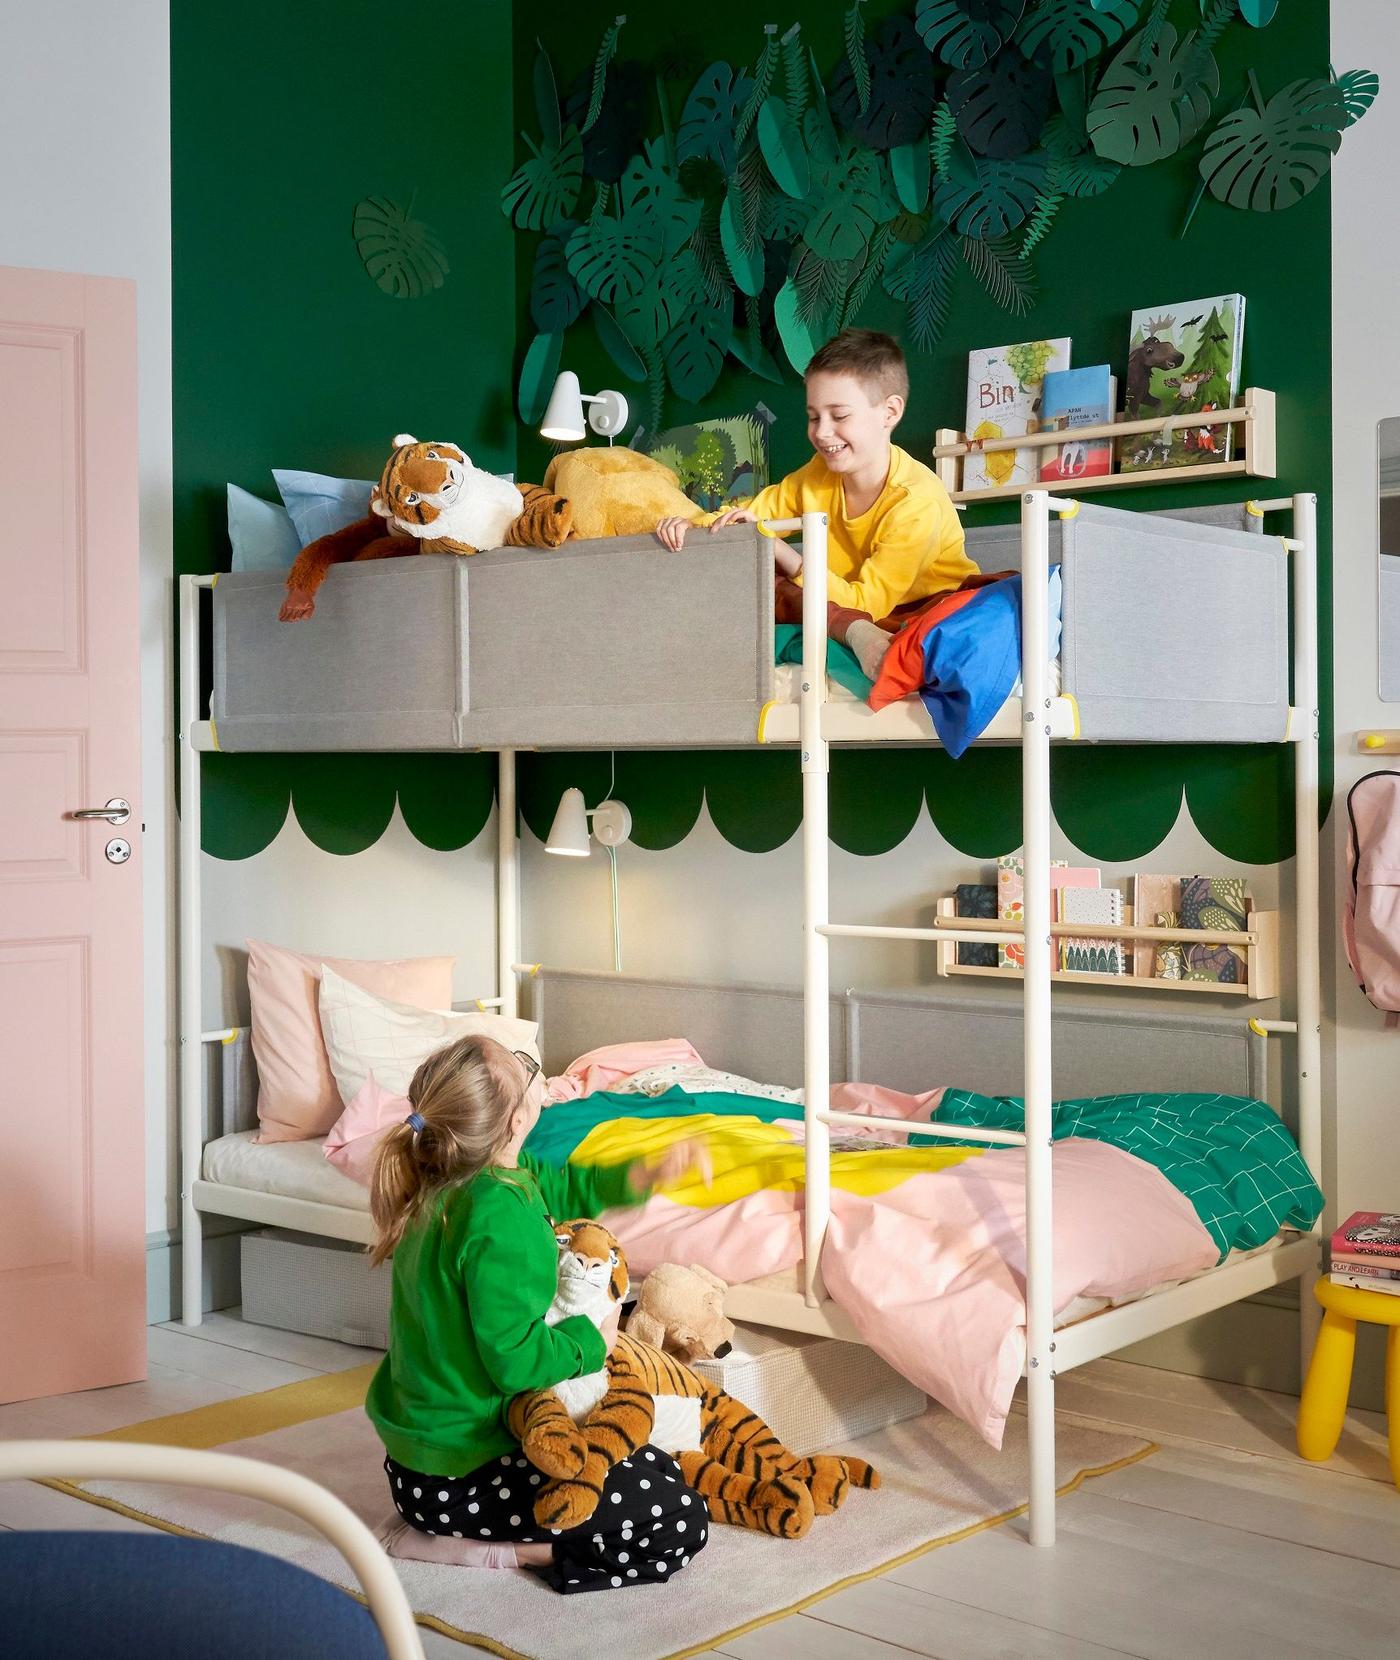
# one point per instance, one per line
(556, 300)
(1066, 33)
(695, 349)
(1259, 13)
(544, 189)
(616, 344)
(1145, 111)
(711, 115)
(1001, 108)
(902, 89)
(854, 29)
(1360, 88)
(1271, 156)
(546, 90)
(401, 254)
(965, 34)
(780, 141)
(983, 197)
(613, 259)
(537, 376)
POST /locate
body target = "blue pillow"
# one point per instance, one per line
(262, 533)
(319, 504)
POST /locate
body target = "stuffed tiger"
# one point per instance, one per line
(434, 501)
(577, 1431)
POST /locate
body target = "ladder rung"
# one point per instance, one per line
(869, 931)
(908, 1126)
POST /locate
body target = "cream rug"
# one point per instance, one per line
(941, 1483)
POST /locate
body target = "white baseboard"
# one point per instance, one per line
(163, 1259)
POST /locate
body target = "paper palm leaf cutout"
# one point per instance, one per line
(1359, 90)
(797, 84)
(762, 83)
(782, 218)
(1001, 108)
(651, 192)
(922, 276)
(649, 316)
(711, 113)
(799, 342)
(1142, 113)
(1084, 175)
(859, 290)
(1269, 157)
(556, 300)
(537, 376)
(982, 197)
(402, 255)
(546, 97)
(616, 344)
(1258, 12)
(855, 197)
(1001, 269)
(746, 344)
(902, 88)
(544, 189)
(745, 259)
(966, 33)
(854, 31)
(613, 259)
(784, 154)
(911, 169)
(607, 51)
(617, 130)
(696, 348)
(1066, 33)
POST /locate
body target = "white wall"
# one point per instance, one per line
(85, 186)
(1365, 1158)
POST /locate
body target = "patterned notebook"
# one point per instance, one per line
(977, 899)
(1153, 898)
(1011, 896)
(1214, 902)
(1103, 906)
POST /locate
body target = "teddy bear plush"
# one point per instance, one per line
(430, 499)
(681, 1310)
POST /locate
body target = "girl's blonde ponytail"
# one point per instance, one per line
(465, 1096)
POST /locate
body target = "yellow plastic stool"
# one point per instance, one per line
(1324, 1402)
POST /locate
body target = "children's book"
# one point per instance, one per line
(1365, 1271)
(1368, 1234)
(1011, 896)
(1214, 902)
(1182, 358)
(1362, 1282)
(1005, 389)
(977, 899)
(1102, 906)
(1078, 398)
(1154, 897)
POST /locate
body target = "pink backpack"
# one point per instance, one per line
(1371, 924)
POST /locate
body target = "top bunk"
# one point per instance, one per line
(1174, 628)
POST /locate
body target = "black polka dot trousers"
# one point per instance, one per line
(647, 1527)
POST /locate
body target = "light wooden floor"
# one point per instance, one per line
(1223, 1546)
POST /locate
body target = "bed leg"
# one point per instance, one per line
(1040, 1402)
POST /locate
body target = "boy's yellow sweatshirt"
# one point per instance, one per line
(908, 545)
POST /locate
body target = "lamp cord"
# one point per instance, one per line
(616, 925)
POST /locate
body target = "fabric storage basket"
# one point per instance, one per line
(324, 1287)
(817, 1394)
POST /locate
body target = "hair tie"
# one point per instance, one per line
(415, 1122)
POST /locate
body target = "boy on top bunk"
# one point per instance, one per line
(893, 537)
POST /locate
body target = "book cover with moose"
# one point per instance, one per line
(1004, 391)
(1182, 358)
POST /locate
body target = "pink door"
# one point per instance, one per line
(72, 1213)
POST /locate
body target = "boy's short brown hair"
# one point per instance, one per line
(875, 360)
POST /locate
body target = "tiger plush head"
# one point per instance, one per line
(592, 1271)
(432, 491)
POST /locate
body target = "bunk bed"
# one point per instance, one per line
(480, 654)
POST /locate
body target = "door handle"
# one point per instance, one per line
(116, 811)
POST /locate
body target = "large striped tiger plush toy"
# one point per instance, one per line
(431, 499)
(577, 1431)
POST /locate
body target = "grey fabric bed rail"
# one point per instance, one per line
(1175, 629)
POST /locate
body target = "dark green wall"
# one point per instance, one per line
(1101, 259)
(283, 117)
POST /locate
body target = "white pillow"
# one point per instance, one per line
(368, 1035)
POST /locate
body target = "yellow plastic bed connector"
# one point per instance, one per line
(1256, 1028)
(1254, 510)
(763, 718)
(1073, 702)
(214, 734)
(214, 580)
(1068, 512)
(232, 1035)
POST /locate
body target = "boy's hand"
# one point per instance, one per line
(685, 1158)
(735, 516)
(671, 533)
(608, 1328)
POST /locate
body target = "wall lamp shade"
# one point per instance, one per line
(564, 419)
(612, 825)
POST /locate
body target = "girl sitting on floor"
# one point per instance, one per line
(467, 1217)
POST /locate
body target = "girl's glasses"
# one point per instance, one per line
(531, 1065)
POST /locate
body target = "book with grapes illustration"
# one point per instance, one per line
(1181, 359)
(1004, 390)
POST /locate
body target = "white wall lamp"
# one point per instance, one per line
(568, 835)
(564, 421)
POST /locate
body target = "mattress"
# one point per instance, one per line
(286, 1169)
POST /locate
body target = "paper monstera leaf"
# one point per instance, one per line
(902, 91)
(1000, 109)
(856, 196)
(1063, 34)
(556, 300)
(982, 197)
(613, 259)
(649, 190)
(711, 113)
(544, 189)
(966, 33)
(1269, 157)
(696, 347)
(648, 316)
(1148, 104)
(1359, 90)
(615, 343)
(401, 254)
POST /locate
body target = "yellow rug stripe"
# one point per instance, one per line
(298, 1403)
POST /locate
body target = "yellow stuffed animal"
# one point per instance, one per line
(615, 491)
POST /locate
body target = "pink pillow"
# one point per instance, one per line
(296, 1093)
(353, 1142)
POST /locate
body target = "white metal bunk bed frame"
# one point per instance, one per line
(1043, 716)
